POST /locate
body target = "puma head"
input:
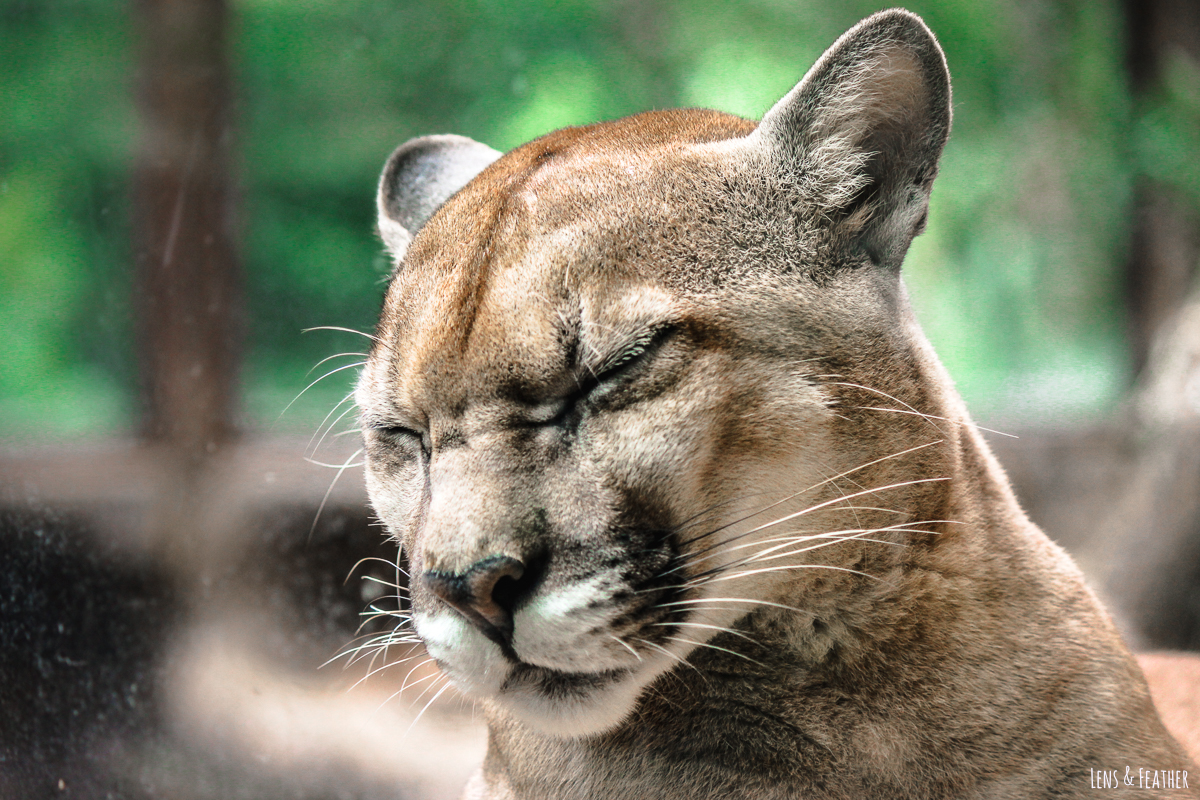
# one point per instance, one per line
(614, 400)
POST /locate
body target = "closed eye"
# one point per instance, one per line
(401, 435)
(612, 372)
(634, 351)
(637, 348)
(396, 431)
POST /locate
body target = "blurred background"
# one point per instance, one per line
(186, 187)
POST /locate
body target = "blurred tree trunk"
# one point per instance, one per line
(1165, 244)
(188, 276)
(188, 286)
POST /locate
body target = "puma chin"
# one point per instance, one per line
(688, 502)
(564, 701)
(560, 673)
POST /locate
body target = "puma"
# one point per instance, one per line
(691, 508)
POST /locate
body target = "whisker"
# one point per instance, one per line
(316, 463)
(838, 536)
(685, 523)
(738, 600)
(758, 542)
(343, 330)
(390, 564)
(349, 396)
(965, 422)
(432, 700)
(389, 584)
(893, 399)
(404, 686)
(794, 515)
(376, 649)
(375, 614)
(784, 567)
(817, 486)
(353, 653)
(626, 645)
(314, 383)
(400, 633)
(678, 658)
(330, 358)
(711, 646)
(382, 667)
(341, 416)
(438, 676)
(859, 537)
(395, 633)
(372, 647)
(329, 491)
(433, 675)
(659, 647)
(718, 628)
(844, 498)
(827, 538)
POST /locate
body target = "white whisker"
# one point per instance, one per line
(818, 485)
(348, 397)
(316, 463)
(432, 700)
(711, 646)
(736, 600)
(926, 417)
(390, 565)
(314, 383)
(626, 645)
(340, 417)
(313, 368)
(677, 658)
(329, 491)
(967, 423)
(719, 628)
(786, 567)
(343, 330)
(837, 500)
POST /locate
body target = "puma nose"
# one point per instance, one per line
(485, 594)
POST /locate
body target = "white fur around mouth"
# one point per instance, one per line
(574, 677)
(473, 662)
(569, 630)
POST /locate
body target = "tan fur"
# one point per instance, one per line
(691, 508)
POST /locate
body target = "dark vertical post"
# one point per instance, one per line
(188, 275)
(1165, 241)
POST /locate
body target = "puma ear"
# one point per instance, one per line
(418, 177)
(861, 134)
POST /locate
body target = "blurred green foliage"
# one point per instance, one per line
(66, 127)
(1016, 280)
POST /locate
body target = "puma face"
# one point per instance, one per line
(609, 410)
(563, 456)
